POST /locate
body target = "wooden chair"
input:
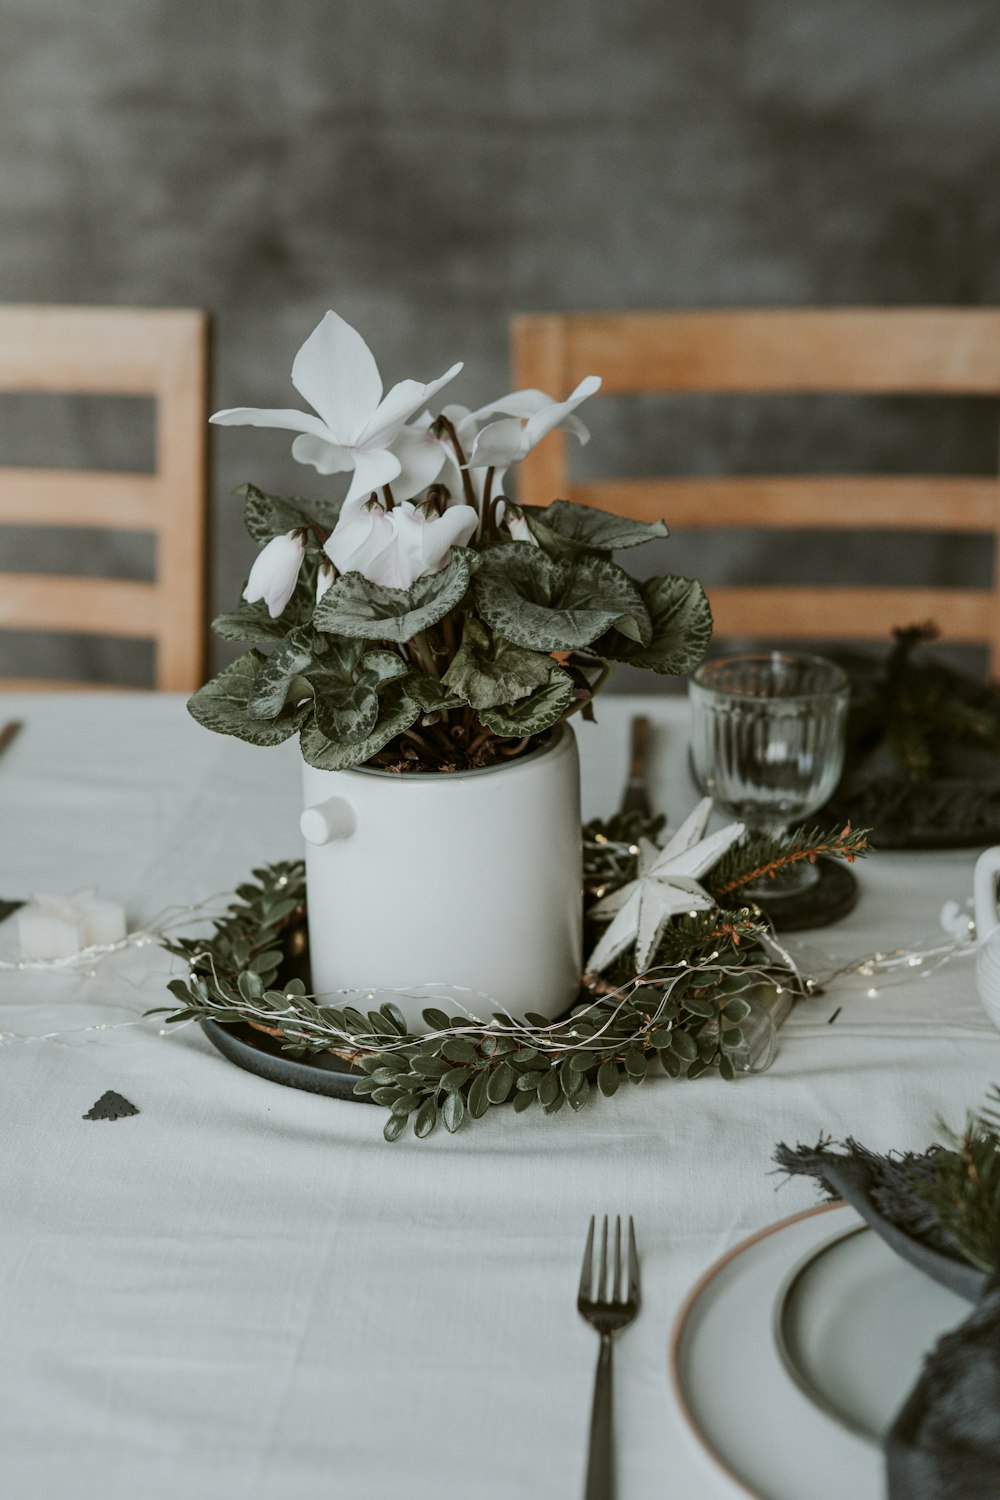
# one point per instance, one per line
(917, 351)
(161, 353)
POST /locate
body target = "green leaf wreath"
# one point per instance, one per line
(680, 1016)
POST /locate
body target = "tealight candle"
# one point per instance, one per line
(61, 926)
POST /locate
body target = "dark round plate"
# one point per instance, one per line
(262, 1054)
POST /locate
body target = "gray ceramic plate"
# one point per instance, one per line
(260, 1054)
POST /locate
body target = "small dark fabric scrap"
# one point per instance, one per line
(110, 1106)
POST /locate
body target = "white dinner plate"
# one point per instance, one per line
(793, 1353)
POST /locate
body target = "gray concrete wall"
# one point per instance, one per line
(428, 168)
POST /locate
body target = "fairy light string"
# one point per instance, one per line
(302, 1021)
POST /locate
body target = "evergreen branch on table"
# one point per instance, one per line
(962, 1187)
(709, 935)
(762, 857)
(919, 710)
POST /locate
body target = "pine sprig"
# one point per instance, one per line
(762, 857)
(962, 1188)
(709, 935)
(611, 849)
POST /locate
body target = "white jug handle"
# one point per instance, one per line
(985, 892)
(333, 819)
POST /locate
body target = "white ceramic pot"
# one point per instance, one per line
(461, 890)
(988, 933)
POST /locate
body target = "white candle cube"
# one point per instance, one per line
(103, 921)
(60, 926)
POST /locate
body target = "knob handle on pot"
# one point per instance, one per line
(333, 819)
(985, 892)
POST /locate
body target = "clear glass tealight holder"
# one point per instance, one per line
(767, 743)
(770, 1006)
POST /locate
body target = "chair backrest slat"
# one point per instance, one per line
(822, 501)
(160, 353)
(850, 351)
(85, 498)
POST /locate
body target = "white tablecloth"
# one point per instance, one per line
(244, 1291)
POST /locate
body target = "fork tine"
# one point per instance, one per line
(588, 1255)
(633, 1262)
(602, 1285)
(619, 1289)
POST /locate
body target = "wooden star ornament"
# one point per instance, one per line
(666, 884)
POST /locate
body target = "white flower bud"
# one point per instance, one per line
(324, 579)
(276, 572)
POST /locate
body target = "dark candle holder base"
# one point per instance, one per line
(826, 900)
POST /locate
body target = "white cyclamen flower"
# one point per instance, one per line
(324, 579)
(396, 547)
(276, 572)
(425, 457)
(421, 457)
(355, 427)
(512, 516)
(528, 416)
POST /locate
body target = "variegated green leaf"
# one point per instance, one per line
(353, 606)
(681, 628)
(488, 671)
(548, 605)
(292, 659)
(540, 710)
(429, 693)
(223, 705)
(581, 526)
(268, 516)
(395, 713)
(250, 623)
(347, 709)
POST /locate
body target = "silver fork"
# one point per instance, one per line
(608, 1314)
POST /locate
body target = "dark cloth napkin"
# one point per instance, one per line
(945, 1442)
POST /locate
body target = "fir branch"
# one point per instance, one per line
(611, 847)
(962, 1188)
(690, 939)
(761, 857)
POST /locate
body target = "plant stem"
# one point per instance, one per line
(607, 667)
(423, 651)
(480, 739)
(486, 525)
(448, 636)
(463, 463)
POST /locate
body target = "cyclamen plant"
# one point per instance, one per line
(424, 621)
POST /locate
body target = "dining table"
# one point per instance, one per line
(243, 1290)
